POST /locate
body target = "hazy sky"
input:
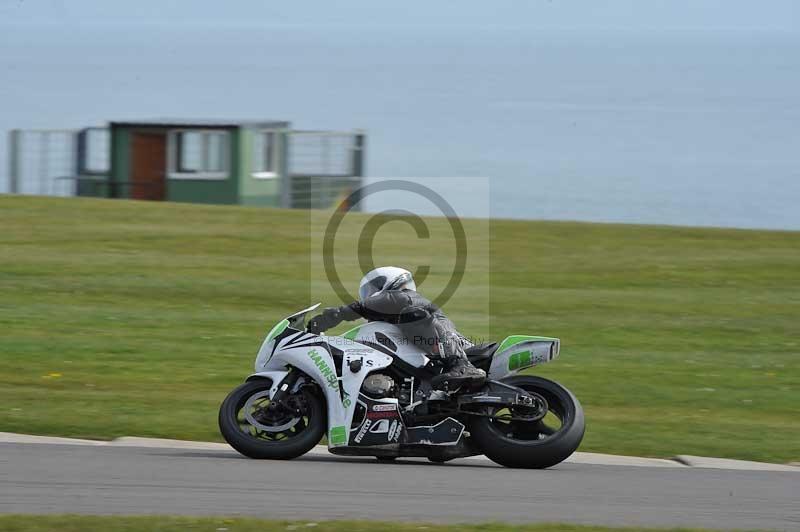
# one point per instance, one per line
(634, 14)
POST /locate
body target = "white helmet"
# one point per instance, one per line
(385, 278)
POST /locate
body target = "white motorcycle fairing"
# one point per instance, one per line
(287, 346)
(388, 337)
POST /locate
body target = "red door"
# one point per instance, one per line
(148, 166)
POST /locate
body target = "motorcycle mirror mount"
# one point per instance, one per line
(298, 319)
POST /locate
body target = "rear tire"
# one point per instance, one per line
(527, 452)
(314, 421)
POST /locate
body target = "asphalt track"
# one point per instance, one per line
(38, 478)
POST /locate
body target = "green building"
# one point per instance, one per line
(262, 162)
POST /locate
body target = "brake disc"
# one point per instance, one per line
(249, 408)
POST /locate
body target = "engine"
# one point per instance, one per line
(379, 386)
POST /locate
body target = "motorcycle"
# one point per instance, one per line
(369, 390)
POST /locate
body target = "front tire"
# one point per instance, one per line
(533, 445)
(260, 433)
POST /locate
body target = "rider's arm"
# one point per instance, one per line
(392, 306)
(386, 306)
(374, 311)
(351, 312)
(331, 317)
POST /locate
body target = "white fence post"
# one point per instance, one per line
(14, 146)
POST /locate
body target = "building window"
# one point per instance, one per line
(265, 155)
(93, 151)
(198, 154)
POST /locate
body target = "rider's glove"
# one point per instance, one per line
(328, 319)
(314, 326)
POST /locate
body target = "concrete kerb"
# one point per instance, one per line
(680, 461)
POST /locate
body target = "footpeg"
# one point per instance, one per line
(438, 395)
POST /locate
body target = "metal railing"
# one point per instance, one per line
(323, 167)
(39, 158)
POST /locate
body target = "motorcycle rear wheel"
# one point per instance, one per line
(250, 427)
(533, 444)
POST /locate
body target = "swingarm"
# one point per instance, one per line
(522, 404)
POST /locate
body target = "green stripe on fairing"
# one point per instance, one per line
(520, 360)
(279, 328)
(514, 340)
(351, 334)
(337, 435)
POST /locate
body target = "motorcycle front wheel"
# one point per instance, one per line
(255, 427)
(532, 444)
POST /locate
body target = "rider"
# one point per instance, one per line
(389, 294)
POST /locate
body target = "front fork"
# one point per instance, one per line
(285, 387)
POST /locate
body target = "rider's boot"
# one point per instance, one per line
(458, 371)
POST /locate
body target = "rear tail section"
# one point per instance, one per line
(519, 352)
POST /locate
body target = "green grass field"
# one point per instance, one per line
(131, 318)
(75, 523)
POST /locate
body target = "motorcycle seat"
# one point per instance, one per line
(481, 354)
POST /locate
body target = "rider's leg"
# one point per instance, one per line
(457, 368)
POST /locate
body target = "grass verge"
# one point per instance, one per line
(132, 318)
(76, 523)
